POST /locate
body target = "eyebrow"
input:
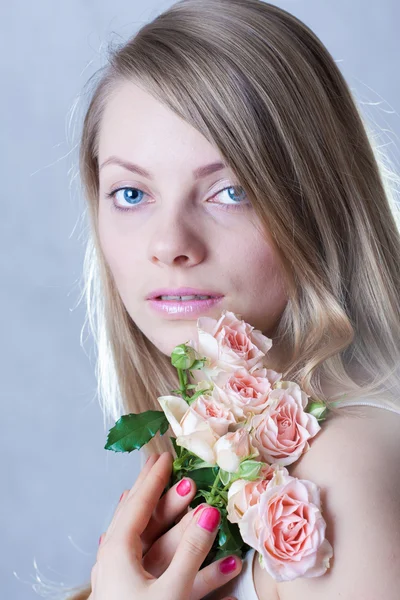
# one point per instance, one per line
(197, 173)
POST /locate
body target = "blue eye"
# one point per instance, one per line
(134, 196)
(130, 195)
(236, 196)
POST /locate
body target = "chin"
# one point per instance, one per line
(178, 335)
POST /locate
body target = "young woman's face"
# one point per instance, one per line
(179, 230)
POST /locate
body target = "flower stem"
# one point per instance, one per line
(214, 488)
(182, 374)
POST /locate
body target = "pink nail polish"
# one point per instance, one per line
(196, 510)
(209, 518)
(227, 565)
(184, 487)
(121, 496)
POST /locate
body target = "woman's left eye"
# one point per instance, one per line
(238, 194)
(134, 196)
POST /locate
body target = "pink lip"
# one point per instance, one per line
(187, 309)
(182, 292)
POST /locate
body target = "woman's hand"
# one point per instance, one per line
(136, 556)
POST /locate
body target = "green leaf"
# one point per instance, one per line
(204, 478)
(133, 431)
(229, 539)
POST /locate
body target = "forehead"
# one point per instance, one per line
(135, 122)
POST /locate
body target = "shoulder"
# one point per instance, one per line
(354, 460)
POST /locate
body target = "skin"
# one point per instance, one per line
(181, 232)
(136, 530)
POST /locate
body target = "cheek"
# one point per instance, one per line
(253, 261)
(119, 252)
(258, 279)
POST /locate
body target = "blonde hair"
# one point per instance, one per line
(262, 88)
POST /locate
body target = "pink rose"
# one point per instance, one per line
(233, 448)
(286, 527)
(246, 392)
(242, 493)
(229, 343)
(281, 432)
(192, 431)
(216, 414)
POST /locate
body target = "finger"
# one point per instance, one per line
(170, 507)
(137, 508)
(158, 557)
(215, 575)
(150, 462)
(143, 473)
(193, 548)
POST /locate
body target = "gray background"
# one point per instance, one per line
(59, 486)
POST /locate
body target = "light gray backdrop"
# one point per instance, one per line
(59, 486)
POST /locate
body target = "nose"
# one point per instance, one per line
(177, 240)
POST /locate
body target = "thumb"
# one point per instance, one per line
(194, 546)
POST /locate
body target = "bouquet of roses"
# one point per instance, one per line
(237, 427)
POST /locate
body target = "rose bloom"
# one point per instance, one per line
(229, 343)
(246, 392)
(233, 448)
(242, 493)
(216, 414)
(192, 431)
(281, 432)
(286, 527)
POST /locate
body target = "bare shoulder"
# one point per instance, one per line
(354, 460)
(358, 435)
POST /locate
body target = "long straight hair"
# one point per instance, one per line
(263, 89)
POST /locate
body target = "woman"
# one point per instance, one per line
(294, 229)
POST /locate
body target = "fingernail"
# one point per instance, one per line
(121, 496)
(196, 510)
(184, 487)
(227, 565)
(209, 518)
(100, 538)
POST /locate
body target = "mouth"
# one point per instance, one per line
(187, 298)
(184, 306)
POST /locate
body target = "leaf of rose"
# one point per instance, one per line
(229, 540)
(204, 478)
(132, 431)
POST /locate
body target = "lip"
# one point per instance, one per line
(186, 291)
(188, 309)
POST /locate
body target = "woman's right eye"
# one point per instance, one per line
(129, 194)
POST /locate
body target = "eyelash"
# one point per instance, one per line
(222, 206)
